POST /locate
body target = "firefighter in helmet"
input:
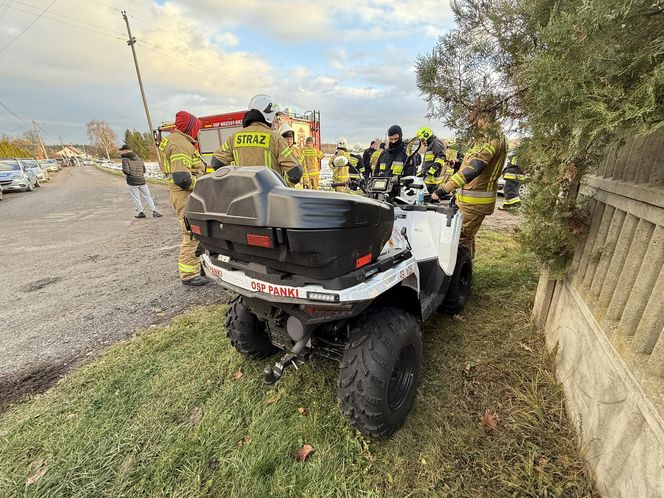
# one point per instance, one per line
(477, 179)
(434, 167)
(311, 162)
(356, 168)
(289, 135)
(183, 164)
(257, 143)
(339, 164)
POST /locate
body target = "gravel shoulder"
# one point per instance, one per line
(80, 273)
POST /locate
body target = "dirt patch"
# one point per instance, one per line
(35, 380)
(40, 284)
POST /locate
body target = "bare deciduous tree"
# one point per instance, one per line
(101, 135)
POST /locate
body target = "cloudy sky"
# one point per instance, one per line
(351, 60)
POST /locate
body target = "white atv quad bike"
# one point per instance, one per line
(343, 276)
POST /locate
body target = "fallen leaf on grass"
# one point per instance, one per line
(244, 441)
(304, 452)
(40, 469)
(302, 411)
(489, 420)
(196, 415)
(237, 375)
(458, 318)
(273, 399)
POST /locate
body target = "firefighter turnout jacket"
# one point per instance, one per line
(179, 155)
(339, 174)
(433, 167)
(260, 145)
(477, 177)
(513, 176)
(391, 162)
(311, 164)
(355, 166)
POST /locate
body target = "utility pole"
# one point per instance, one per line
(131, 42)
(62, 148)
(41, 142)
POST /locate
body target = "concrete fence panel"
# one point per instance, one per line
(606, 318)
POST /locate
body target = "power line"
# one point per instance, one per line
(153, 47)
(27, 27)
(4, 7)
(12, 121)
(50, 14)
(13, 113)
(96, 26)
(105, 5)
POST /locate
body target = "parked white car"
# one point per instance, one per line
(37, 169)
(15, 176)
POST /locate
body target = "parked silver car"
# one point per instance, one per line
(37, 168)
(51, 165)
(15, 176)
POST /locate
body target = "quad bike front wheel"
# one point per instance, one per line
(246, 332)
(459, 290)
(380, 371)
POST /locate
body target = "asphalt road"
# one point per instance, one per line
(79, 273)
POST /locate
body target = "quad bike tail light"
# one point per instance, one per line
(258, 240)
(195, 229)
(364, 260)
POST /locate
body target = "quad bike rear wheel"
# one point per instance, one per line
(246, 332)
(459, 289)
(380, 371)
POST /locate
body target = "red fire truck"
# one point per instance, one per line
(218, 127)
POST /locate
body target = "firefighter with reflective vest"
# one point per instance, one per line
(356, 166)
(258, 144)
(182, 164)
(373, 160)
(311, 162)
(289, 135)
(513, 176)
(477, 178)
(392, 160)
(339, 164)
(434, 168)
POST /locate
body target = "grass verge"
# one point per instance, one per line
(176, 411)
(117, 172)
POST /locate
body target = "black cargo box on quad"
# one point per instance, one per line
(250, 215)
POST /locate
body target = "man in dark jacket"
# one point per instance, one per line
(366, 156)
(134, 169)
(392, 161)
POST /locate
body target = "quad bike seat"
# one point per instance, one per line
(250, 215)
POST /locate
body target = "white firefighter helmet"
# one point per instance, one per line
(266, 105)
(340, 161)
(285, 128)
(342, 143)
(358, 147)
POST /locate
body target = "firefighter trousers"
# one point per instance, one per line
(472, 220)
(313, 181)
(189, 266)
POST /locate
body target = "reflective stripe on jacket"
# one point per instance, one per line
(258, 145)
(178, 153)
(479, 172)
